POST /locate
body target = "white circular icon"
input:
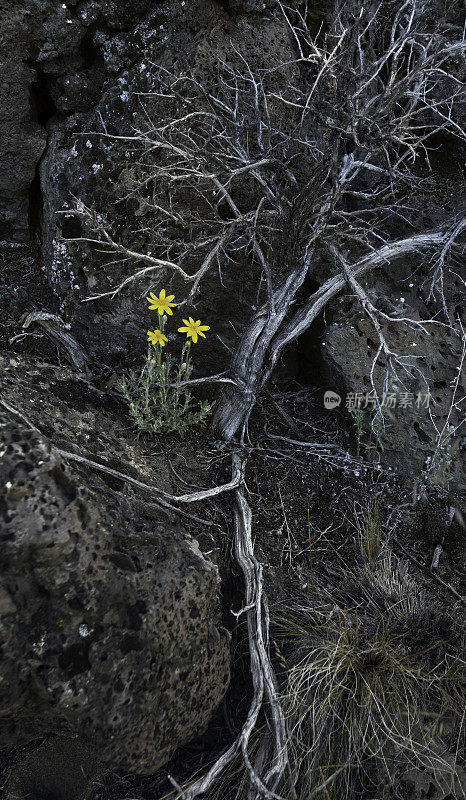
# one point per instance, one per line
(331, 400)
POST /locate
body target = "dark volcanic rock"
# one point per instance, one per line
(51, 67)
(108, 618)
(62, 768)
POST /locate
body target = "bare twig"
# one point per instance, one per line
(55, 329)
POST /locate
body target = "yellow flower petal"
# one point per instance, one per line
(162, 304)
(157, 337)
(193, 329)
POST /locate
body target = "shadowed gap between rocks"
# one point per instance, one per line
(43, 108)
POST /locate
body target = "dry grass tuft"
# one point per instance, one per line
(372, 662)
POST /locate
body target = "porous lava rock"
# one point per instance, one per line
(419, 430)
(108, 624)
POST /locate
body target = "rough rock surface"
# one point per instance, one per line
(60, 767)
(424, 783)
(420, 418)
(52, 68)
(109, 611)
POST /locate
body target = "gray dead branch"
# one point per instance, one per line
(55, 328)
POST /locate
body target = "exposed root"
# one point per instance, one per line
(274, 758)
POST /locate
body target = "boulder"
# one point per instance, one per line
(109, 611)
(416, 411)
(411, 438)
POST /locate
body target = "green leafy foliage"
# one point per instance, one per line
(158, 402)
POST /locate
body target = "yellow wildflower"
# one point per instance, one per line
(157, 337)
(162, 303)
(194, 329)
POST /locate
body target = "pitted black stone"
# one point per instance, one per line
(107, 631)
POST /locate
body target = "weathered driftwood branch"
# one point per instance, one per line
(146, 488)
(220, 378)
(262, 673)
(366, 304)
(191, 497)
(260, 348)
(56, 330)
